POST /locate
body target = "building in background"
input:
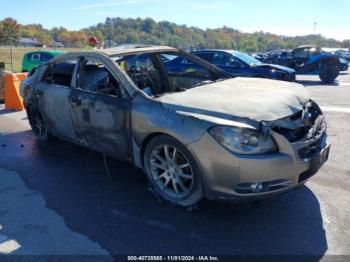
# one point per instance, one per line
(28, 42)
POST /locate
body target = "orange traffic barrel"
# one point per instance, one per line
(13, 100)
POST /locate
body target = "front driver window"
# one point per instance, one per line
(143, 71)
(184, 75)
(221, 59)
(93, 76)
(301, 53)
(180, 66)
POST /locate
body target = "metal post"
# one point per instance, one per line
(314, 30)
(109, 24)
(11, 58)
(109, 37)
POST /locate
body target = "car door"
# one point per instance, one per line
(53, 93)
(101, 110)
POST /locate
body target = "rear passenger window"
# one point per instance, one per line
(61, 73)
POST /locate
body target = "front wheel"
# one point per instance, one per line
(173, 172)
(329, 72)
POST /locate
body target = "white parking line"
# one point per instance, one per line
(343, 83)
(336, 109)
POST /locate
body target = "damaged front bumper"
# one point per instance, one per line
(233, 177)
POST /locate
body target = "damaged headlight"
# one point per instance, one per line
(243, 140)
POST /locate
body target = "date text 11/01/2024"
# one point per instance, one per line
(173, 258)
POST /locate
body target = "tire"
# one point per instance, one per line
(37, 124)
(328, 73)
(175, 179)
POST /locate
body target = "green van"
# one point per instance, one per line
(33, 59)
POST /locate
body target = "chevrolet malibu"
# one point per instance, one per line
(195, 134)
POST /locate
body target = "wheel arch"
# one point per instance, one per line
(146, 141)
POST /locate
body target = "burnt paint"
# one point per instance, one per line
(102, 122)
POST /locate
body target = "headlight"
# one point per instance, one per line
(243, 140)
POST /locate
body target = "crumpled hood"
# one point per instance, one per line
(257, 99)
(277, 67)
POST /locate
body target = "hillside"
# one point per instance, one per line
(148, 31)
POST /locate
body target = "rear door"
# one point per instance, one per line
(101, 110)
(53, 93)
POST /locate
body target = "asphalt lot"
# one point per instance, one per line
(57, 199)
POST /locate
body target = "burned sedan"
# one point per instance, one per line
(195, 134)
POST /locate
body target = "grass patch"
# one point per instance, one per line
(17, 56)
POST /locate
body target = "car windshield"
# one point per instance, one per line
(245, 58)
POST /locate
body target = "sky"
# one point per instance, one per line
(282, 17)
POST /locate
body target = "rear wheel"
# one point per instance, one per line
(329, 72)
(172, 171)
(37, 124)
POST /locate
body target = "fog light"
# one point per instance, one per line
(256, 187)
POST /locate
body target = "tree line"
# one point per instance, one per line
(148, 31)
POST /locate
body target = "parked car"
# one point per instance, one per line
(312, 60)
(196, 134)
(240, 64)
(343, 54)
(343, 65)
(32, 60)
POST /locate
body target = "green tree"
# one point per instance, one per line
(9, 31)
(149, 25)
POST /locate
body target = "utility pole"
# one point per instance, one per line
(109, 25)
(314, 29)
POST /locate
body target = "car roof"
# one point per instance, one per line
(216, 50)
(53, 52)
(134, 49)
(306, 46)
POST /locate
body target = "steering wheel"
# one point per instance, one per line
(144, 80)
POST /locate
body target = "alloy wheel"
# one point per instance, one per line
(171, 171)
